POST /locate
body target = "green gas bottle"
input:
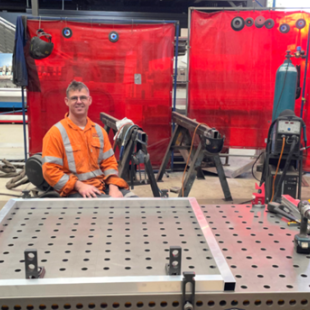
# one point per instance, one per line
(285, 87)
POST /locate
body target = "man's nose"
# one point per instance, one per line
(79, 100)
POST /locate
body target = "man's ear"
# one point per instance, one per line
(66, 101)
(90, 100)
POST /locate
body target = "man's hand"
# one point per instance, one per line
(87, 191)
(114, 191)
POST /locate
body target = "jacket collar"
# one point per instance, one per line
(88, 126)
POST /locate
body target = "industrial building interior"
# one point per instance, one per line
(154, 154)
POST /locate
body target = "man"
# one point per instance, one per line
(77, 154)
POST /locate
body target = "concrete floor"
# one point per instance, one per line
(206, 191)
(12, 141)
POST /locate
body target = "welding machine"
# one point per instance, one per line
(283, 163)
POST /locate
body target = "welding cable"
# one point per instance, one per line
(255, 164)
(124, 141)
(245, 202)
(8, 194)
(189, 155)
(275, 176)
(265, 165)
(118, 133)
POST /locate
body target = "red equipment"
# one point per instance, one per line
(259, 197)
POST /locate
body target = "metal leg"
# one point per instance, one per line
(300, 178)
(200, 174)
(227, 159)
(124, 164)
(132, 172)
(192, 172)
(222, 177)
(151, 177)
(106, 128)
(167, 155)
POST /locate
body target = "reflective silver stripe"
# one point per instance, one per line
(53, 160)
(110, 171)
(62, 182)
(68, 147)
(100, 135)
(89, 175)
(108, 154)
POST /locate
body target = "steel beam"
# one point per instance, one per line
(189, 124)
(35, 7)
(109, 120)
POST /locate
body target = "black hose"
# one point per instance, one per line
(244, 202)
(265, 166)
(4, 194)
(287, 164)
(254, 165)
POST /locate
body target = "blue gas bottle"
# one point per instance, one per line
(285, 88)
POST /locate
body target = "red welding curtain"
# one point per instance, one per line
(109, 70)
(232, 73)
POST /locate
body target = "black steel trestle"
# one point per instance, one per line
(209, 146)
(132, 143)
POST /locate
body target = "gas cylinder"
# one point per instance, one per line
(285, 87)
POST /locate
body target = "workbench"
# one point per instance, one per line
(112, 253)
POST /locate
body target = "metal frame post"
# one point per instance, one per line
(303, 99)
(177, 30)
(35, 7)
(24, 124)
(188, 51)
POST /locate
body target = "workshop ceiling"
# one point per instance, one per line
(136, 9)
(165, 6)
(7, 34)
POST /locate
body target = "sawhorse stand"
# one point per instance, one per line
(209, 147)
(134, 151)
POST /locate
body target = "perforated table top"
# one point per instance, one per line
(249, 244)
(107, 240)
(259, 249)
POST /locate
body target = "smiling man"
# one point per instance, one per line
(78, 160)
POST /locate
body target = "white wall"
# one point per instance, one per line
(290, 3)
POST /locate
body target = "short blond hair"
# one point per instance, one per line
(75, 85)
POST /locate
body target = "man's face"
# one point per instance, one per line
(78, 102)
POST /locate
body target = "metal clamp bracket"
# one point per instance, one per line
(33, 271)
(188, 301)
(175, 259)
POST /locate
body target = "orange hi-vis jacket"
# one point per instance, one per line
(71, 154)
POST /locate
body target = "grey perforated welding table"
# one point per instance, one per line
(112, 253)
